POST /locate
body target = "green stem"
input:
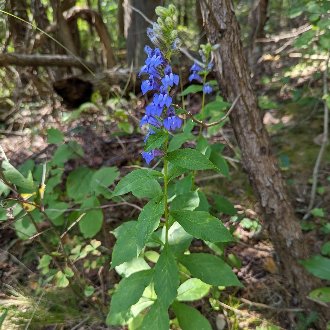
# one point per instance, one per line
(203, 104)
(167, 226)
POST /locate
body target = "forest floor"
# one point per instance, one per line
(294, 123)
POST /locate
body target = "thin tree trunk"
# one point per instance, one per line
(233, 76)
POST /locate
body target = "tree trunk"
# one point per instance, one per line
(234, 79)
(136, 26)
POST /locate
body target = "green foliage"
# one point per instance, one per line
(319, 266)
(190, 318)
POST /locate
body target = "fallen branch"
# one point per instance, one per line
(44, 60)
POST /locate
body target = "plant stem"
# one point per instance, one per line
(203, 104)
(166, 193)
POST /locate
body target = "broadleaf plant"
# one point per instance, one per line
(156, 246)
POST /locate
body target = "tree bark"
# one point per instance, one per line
(233, 77)
(136, 28)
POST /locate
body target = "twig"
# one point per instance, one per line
(73, 224)
(324, 139)
(203, 124)
(279, 309)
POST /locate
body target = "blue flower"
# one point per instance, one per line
(153, 109)
(172, 123)
(146, 86)
(162, 100)
(207, 89)
(195, 76)
(148, 156)
(146, 119)
(196, 67)
(170, 80)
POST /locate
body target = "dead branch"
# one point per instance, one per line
(95, 19)
(43, 60)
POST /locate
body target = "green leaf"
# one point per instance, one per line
(126, 247)
(190, 318)
(54, 136)
(148, 220)
(223, 205)
(184, 185)
(190, 159)
(133, 266)
(319, 266)
(25, 228)
(103, 178)
(210, 269)
(192, 89)
(64, 152)
(78, 183)
(201, 224)
(318, 213)
(203, 202)
(219, 163)
(157, 318)
(178, 140)
(155, 141)
(91, 222)
(141, 183)
(188, 201)
(3, 316)
(61, 280)
(192, 289)
(166, 277)
(54, 212)
(128, 293)
(321, 294)
(326, 249)
(15, 177)
(178, 239)
(88, 291)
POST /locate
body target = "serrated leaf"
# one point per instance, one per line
(155, 141)
(157, 318)
(140, 182)
(192, 89)
(126, 247)
(319, 266)
(210, 269)
(91, 222)
(148, 220)
(190, 318)
(166, 277)
(15, 177)
(192, 289)
(201, 224)
(190, 159)
(128, 293)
